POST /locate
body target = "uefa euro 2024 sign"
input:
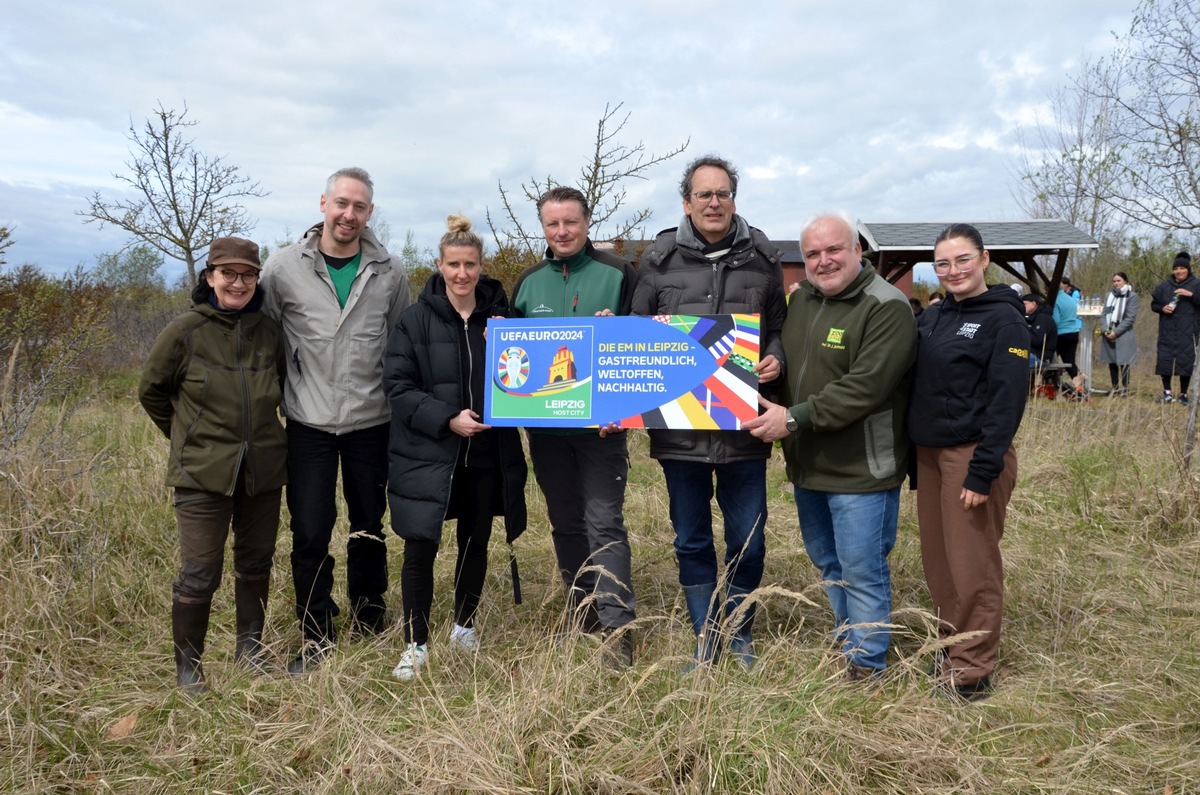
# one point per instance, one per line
(669, 371)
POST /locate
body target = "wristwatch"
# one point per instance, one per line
(791, 424)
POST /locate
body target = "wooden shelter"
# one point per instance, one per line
(1015, 246)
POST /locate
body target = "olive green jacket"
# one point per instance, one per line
(212, 384)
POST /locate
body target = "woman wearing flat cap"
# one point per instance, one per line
(212, 384)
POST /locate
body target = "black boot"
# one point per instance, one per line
(320, 637)
(189, 625)
(250, 599)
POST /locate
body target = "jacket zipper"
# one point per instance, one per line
(245, 409)
(470, 384)
(808, 348)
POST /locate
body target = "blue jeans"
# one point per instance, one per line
(849, 538)
(742, 496)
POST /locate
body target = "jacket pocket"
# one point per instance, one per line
(881, 445)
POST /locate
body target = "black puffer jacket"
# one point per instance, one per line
(423, 378)
(676, 278)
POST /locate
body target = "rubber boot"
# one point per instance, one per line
(705, 626)
(740, 623)
(189, 627)
(250, 599)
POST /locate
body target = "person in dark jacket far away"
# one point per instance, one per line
(583, 472)
(849, 341)
(337, 293)
(716, 263)
(969, 388)
(444, 463)
(1043, 333)
(212, 385)
(1176, 302)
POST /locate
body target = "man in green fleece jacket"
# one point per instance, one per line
(583, 472)
(850, 341)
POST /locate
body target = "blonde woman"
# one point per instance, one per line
(443, 461)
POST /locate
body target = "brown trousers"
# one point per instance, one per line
(960, 551)
(204, 519)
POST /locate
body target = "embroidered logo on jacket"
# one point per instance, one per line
(968, 330)
(834, 339)
(541, 309)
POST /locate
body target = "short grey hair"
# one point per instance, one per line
(351, 172)
(846, 218)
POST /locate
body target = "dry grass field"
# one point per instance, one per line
(1100, 686)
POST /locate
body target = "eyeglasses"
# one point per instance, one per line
(706, 196)
(960, 263)
(229, 277)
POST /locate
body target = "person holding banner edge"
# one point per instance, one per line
(714, 262)
(851, 339)
(583, 473)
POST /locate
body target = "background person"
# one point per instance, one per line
(1176, 300)
(212, 384)
(444, 462)
(969, 388)
(1118, 347)
(1042, 335)
(1068, 325)
(337, 293)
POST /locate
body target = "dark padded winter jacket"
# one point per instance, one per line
(423, 378)
(676, 278)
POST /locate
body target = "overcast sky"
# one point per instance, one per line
(894, 111)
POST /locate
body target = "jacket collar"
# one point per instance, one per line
(374, 255)
(685, 235)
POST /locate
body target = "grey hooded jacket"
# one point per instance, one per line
(335, 354)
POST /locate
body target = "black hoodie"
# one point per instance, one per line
(971, 379)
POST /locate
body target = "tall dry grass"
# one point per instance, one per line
(1100, 658)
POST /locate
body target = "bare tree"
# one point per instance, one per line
(600, 179)
(1153, 81)
(182, 199)
(5, 241)
(1073, 161)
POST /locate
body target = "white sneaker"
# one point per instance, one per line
(464, 638)
(410, 662)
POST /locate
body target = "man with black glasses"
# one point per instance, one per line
(716, 263)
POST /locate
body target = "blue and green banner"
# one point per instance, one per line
(668, 371)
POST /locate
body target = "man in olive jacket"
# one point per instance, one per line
(850, 340)
(716, 263)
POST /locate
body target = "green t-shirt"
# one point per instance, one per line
(342, 271)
